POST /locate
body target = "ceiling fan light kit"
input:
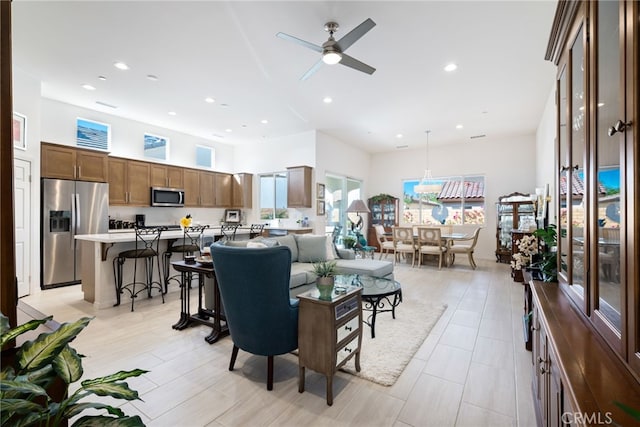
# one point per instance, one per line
(333, 51)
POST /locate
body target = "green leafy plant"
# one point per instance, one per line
(380, 197)
(548, 262)
(349, 241)
(324, 268)
(25, 385)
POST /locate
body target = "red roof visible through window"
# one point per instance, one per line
(453, 190)
(577, 185)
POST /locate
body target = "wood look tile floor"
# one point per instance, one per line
(472, 370)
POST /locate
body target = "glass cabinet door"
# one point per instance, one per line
(565, 170)
(609, 292)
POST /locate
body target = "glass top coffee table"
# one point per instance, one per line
(378, 295)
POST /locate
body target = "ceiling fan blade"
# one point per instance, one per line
(312, 70)
(350, 61)
(300, 42)
(352, 36)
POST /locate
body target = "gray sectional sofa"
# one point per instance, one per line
(307, 249)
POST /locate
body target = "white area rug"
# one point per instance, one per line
(383, 358)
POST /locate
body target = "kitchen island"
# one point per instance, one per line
(99, 250)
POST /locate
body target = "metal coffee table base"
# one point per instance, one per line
(380, 304)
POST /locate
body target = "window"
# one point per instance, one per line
(459, 201)
(336, 204)
(273, 196)
(205, 156)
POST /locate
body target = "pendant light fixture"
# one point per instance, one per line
(428, 185)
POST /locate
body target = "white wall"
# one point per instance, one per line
(26, 101)
(546, 154)
(508, 165)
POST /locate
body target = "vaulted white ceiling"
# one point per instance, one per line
(228, 50)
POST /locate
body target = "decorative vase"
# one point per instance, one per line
(325, 287)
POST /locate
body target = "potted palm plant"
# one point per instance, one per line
(325, 270)
(26, 385)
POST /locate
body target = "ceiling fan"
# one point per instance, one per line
(333, 51)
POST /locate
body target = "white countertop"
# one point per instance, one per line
(129, 235)
(288, 228)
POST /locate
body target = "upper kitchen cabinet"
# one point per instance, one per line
(242, 190)
(222, 193)
(299, 187)
(166, 176)
(64, 162)
(129, 182)
(199, 188)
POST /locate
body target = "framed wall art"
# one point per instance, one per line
(19, 131)
(232, 215)
(320, 207)
(156, 147)
(90, 134)
(320, 191)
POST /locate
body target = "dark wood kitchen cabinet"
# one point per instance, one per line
(299, 187)
(199, 188)
(242, 190)
(166, 176)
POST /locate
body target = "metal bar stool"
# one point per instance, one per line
(188, 246)
(147, 243)
(256, 230)
(229, 232)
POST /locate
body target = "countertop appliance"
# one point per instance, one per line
(69, 208)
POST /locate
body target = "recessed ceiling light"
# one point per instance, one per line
(152, 77)
(450, 67)
(327, 100)
(228, 130)
(102, 78)
(88, 87)
(209, 100)
(399, 135)
(172, 113)
(600, 104)
(121, 66)
(459, 126)
(264, 121)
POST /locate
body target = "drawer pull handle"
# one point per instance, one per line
(540, 359)
(347, 349)
(348, 328)
(542, 370)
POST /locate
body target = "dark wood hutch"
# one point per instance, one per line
(586, 327)
(384, 211)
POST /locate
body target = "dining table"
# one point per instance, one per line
(449, 240)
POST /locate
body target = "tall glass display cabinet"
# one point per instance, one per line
(586, 328)
(516, 211)
(384, 211)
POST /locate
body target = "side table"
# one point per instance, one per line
(329, 334)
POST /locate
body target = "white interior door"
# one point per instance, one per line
(22, 215)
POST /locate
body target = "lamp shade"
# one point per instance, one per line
(358, 206)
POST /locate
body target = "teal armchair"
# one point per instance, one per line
(254, 287)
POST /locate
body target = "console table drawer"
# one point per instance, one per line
(348, 328)
(346, 307)
(346, 351)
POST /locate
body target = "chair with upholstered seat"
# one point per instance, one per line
(147, 243)
(385, 243)
(430, 243)
(464, 248)
(262, 318)
(403, 243)
(256, 230)
(188, 245)
(229, 231)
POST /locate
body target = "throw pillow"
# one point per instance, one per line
(331, 249)
(290, 242)
(311, 248)
(266, 240)
(251, 244)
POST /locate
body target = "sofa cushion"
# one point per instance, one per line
(368, 267)
(290, 241)
(299, 274)
(266, 240)
(311, 248)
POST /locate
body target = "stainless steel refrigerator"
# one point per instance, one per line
(69, 208)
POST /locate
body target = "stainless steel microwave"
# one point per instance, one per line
(167, 197)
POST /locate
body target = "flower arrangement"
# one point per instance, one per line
(186, 221)
(527, 247)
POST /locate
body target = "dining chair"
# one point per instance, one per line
(609, 253)
(430, 243)
(385, 243)
(403, 243)
(256, 230)
(464, 248)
